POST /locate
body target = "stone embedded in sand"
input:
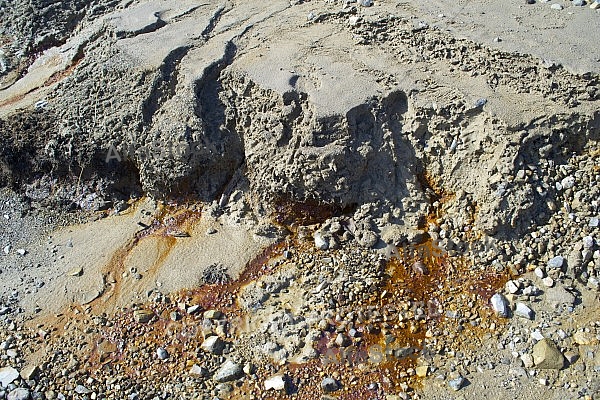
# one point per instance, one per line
(500, 305)
(77, 271)
(143, 316)
(8, 375)
(276, 382)
(228, 371)
(547, 356)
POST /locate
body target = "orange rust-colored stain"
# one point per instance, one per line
(172, 220)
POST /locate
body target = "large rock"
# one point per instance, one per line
(547, 356)
(229, 371)
(8, 375)
(18, 394)
(559, 295)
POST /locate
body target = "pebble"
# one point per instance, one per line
(228, 371)
(422, 370)
(595, 5)
(539, 273)
(162, 353)
(578, 3)
(276, 382)
(537, 335)
(457, 383)
(500, 305)
(549, 282)
(524, 311)
(82, 389)
(569, 181)
(588, 242)
(19, 394)
(329, 385)
(198, 371)
(556, 262)
(556, 6)
(365, 3)
(527, 360)
(594, 221)
(547, 356)
(512, 287)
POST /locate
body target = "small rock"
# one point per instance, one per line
(365, 3)
(588, 242)
(571, 357)
(527, 360)
(595, 5)
(556, 262)
(213, 314)
(21, 252)
(548, 282)
(457, 383)
(329, 385)
(537, 335)
(500, 305)
(198, 371)
(193, 309)
(420, 268)
(77, 271)
(342, 340)
(162, 353)
(594, 221)
(228, 371)
(18, 394)
(569, 181)
(481, 102)
(556, 6)
(82, 390)
(584, 338)
(547, 356)
(8, 375)
(512, 287)
(523, 311)
(540, 273)
(276, 382)
(578, 3)
(143, 316)
(320, 242)
(422, 370)
(213, 345)
(29, 372)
